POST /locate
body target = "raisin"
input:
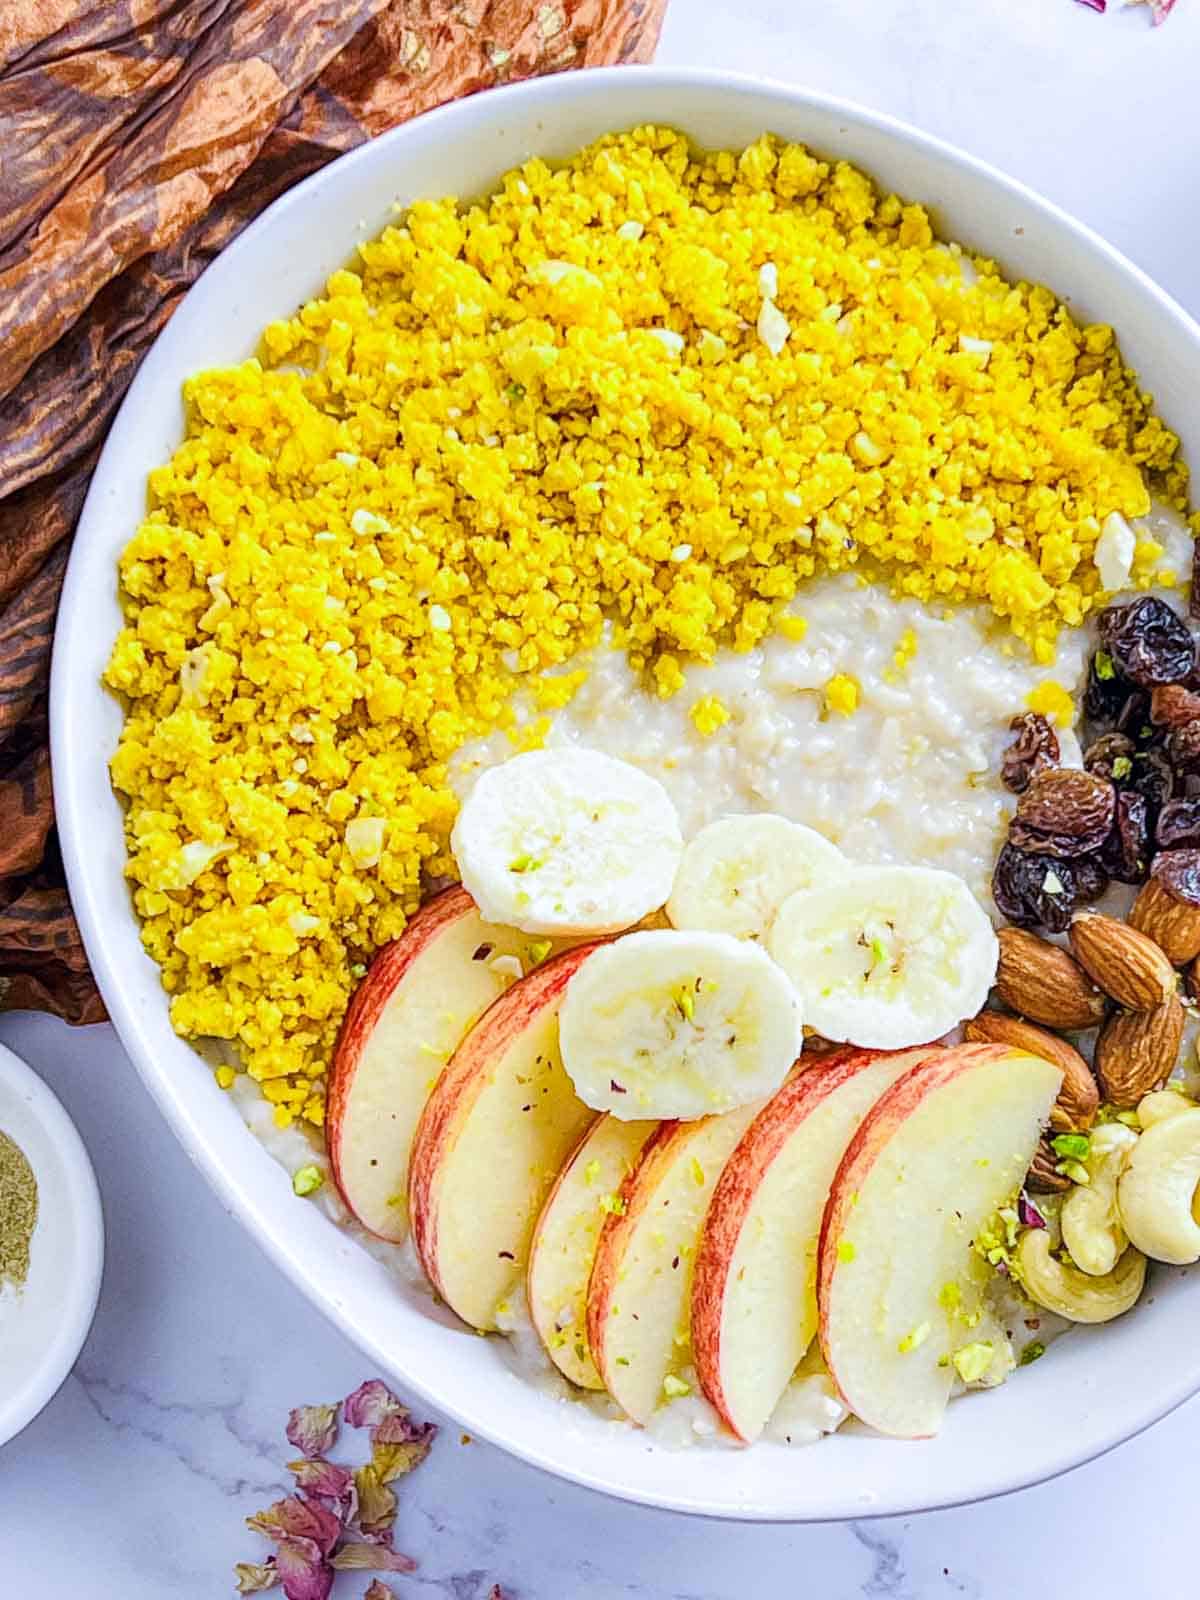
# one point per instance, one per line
(1106, 690)
(1179, 873)
(1111, 757)
(1152, 778)
(1148, 642)
(1091, 879)
(1173, 706)
(1183, 747)
(1125, 854)
(1178, 825)
(1063, 813)
(1033, 891)
(1033, 750)
(1133, 719)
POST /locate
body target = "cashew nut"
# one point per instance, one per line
(1161, 1104)
(1071, 1293)
(1091, 1224)
(1157, 1196)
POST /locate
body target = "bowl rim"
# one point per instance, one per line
(84, 879)
(82, 1292)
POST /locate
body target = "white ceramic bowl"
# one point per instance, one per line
(44, 1323)
(1094, 1390)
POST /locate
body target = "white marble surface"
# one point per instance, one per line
(135, 1481)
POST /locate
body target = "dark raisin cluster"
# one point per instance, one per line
(1136, 806)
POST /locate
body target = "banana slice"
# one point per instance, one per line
(737, 872)
(666, 1024)
(893, 956)
(567, 841)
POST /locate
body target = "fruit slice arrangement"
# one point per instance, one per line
(626, 1123)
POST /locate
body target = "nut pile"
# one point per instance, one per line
(1115, 979)
(1133, 814)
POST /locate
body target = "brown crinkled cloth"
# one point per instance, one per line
(139, 137)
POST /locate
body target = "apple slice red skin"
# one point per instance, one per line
(463, 1079)
(736, 1189)
(368, 1003)
(888, 1113)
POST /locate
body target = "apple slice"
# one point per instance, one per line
(641, 1283)
(754, 1299)
(421, 994)
(564, 1241)
(897, 1281)
(492, 1138)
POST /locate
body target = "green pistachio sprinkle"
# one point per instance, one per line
(1031, 1353)
(915, 1339)
(525, 863)
(1104, 666)
(973, 1360)
(675, 1388)
(1072, 1146)
(307, 1180)
(686, 1004)
(1076, 1171)
(539, 950)
(845, 1250)
(1122, 767)
(612, 1204)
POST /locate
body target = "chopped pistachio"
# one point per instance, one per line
(1122, 767)
(686, 1004)
(612, 1204)
(1031, 1353)
(1072, 1146)
(1104, 666)
(697, 1172)
(914, 1339)
(845, 1250)
(591, 1172)
(539, 950)
(973, 1360)
(675, 1388)
(307, 1180)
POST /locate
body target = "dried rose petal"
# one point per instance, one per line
(372, 1558)
(1160, 10)
(325, 1479)
(376, 1503)
(369, 1404)
(294, 1518)
(399, 1445)
(305, 1573)
(1179, 873)
(1028, 1213)
(313, 1429)
(255, 1576)
(1094, 5)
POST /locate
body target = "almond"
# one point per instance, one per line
(1172, 924)
(1043, 1176)
(1126, 963)
(1137, 1050)
(1079, 1099)
(1043, 982)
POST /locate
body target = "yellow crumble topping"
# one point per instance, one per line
(510, 420)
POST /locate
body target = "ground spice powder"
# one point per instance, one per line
(18, 1212)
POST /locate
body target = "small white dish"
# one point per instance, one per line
(43, 1324)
